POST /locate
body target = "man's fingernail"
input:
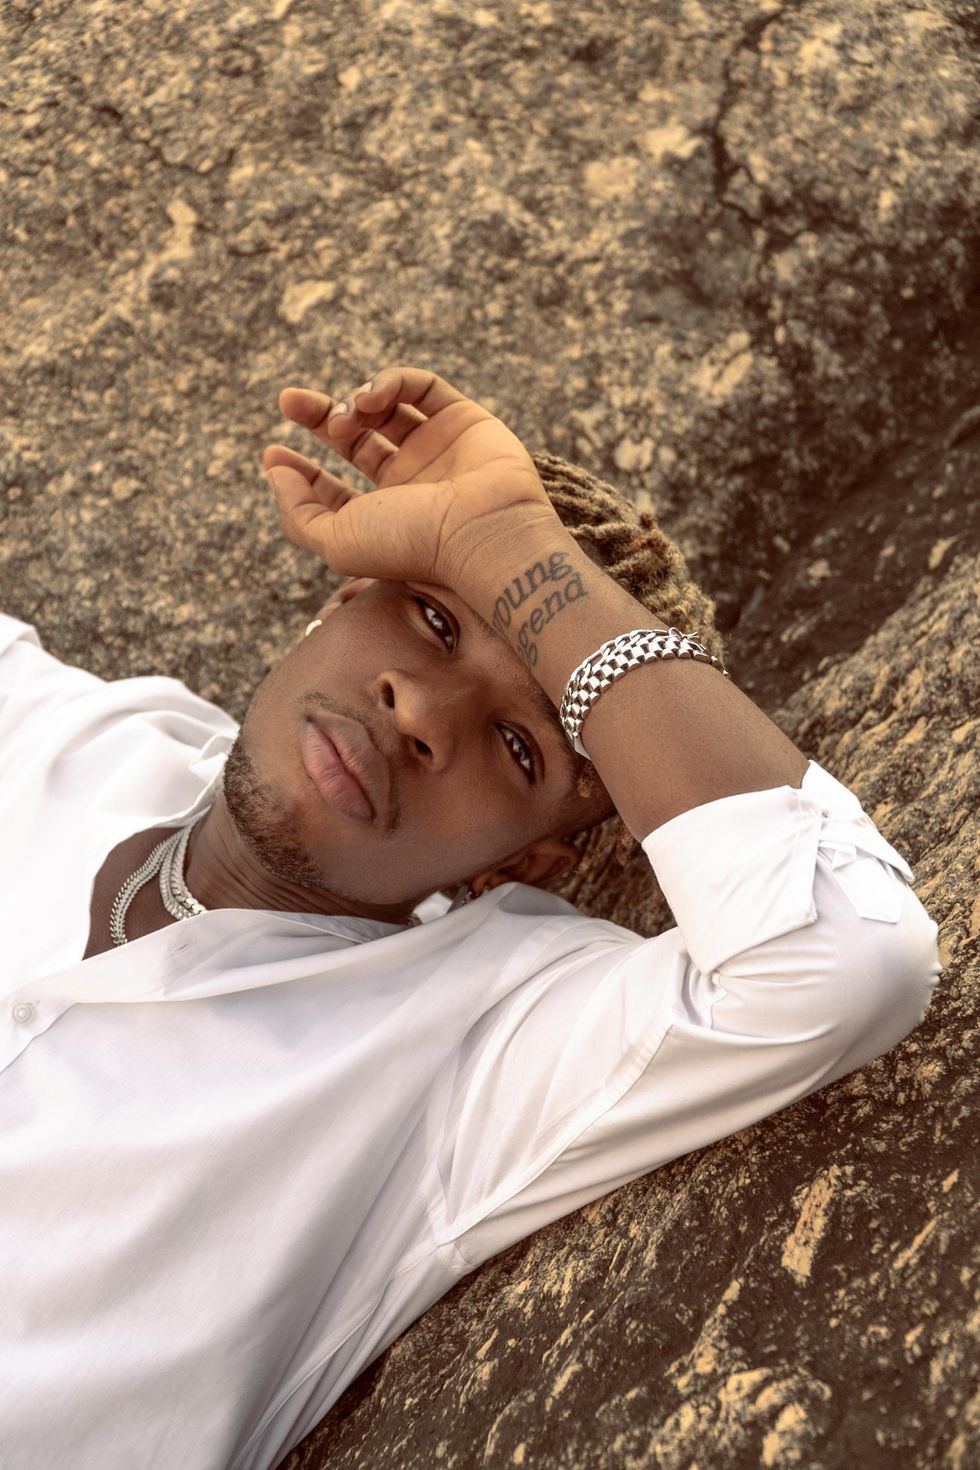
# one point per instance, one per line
(339, 411)
(364, 388)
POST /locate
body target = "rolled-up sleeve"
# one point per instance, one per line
(800, 953)
(806, 865)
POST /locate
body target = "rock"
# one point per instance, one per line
(749, 235)
(723, 256)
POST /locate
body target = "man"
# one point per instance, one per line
(256, 1116)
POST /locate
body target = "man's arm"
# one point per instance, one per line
(799, 953)
(460, 504)
(667, 736)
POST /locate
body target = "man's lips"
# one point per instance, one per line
(343, 763)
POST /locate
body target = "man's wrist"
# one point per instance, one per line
(531, 585)
(510, 573)
(671, 736)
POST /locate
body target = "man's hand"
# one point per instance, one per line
(451, 479)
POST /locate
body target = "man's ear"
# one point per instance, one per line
(343, 594)
(541, 862)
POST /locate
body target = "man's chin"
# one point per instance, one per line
(263, 821)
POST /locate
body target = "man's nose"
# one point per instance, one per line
(431, 716)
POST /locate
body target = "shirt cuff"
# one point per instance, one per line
(739, 871)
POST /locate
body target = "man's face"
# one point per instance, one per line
(470, 772)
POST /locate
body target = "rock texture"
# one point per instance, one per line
(726, 256)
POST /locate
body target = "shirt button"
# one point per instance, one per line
(24, 1012)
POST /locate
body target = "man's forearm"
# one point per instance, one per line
(667, 736)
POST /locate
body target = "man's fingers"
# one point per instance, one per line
(307, 496)
(305, 406)
(350, 588)
(328, 489)
(367, 441)
(397, 400)
(376, 436)
(422, 389)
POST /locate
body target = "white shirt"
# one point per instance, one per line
(240, 1155)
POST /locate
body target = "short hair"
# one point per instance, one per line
(632, 549)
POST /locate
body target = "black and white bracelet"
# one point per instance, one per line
(615, 658)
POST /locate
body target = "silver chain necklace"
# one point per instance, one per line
(167, 859)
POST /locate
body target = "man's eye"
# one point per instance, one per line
(528, 768)
(427, 606)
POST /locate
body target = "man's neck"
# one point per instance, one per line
(222, 871)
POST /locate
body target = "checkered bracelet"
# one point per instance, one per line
(615, 658)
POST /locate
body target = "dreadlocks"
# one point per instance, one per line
(633, 550)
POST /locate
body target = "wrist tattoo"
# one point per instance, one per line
(568, 587)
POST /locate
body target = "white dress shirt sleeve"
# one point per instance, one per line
(25, 663)
(12, 631)
(800, 954)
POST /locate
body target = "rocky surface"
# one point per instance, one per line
(725, 256)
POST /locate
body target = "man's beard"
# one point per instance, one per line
(262, 824)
